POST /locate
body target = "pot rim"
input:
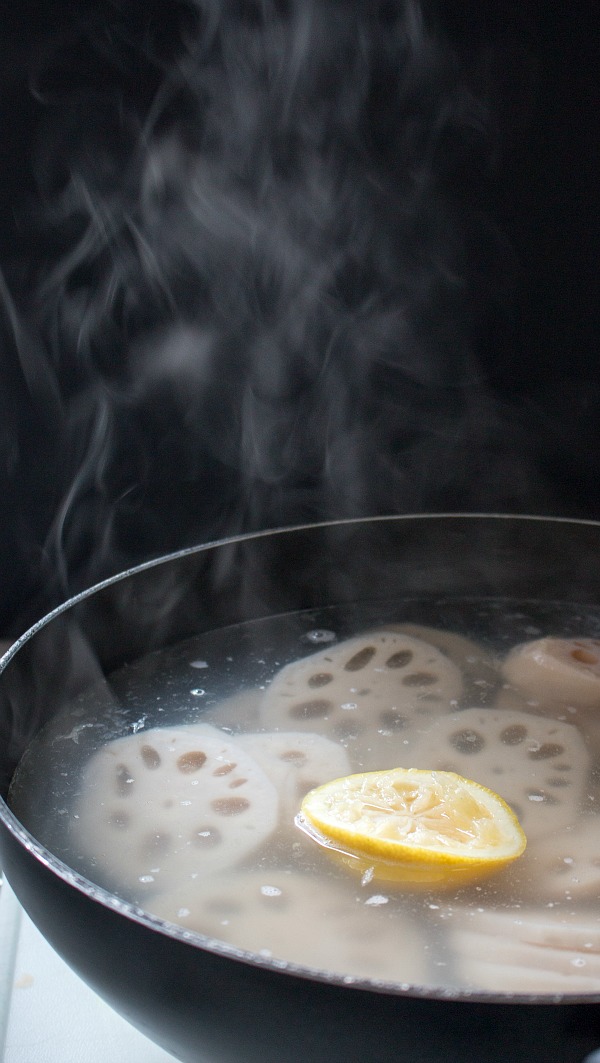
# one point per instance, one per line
(220, 948)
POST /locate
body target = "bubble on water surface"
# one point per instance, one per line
(318, 636)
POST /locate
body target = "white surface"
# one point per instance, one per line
(47, 1014)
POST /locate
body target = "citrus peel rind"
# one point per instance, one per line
(413, 825)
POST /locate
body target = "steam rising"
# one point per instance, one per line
(260, 271)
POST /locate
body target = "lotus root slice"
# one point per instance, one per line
(170, 803)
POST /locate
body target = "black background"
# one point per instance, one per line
(537, 64)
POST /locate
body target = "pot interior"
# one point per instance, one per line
(199, 637)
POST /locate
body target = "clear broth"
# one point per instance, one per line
(402, 936)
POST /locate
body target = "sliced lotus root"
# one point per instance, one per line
(478, 667)
(586, 722)
(566, 865)
(370, 692)
(549, 927)
(527, 951)
(557, 670)
(165, 805)
(296, 762)
(302, 920)
(538, 766)
(484, 975)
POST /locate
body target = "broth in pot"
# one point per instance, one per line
(178, 783)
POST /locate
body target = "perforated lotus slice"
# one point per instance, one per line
(371, 693)
(295, 762)
(553, 670)
(168, 804)
(538, 766)
(302, 920)
(478, 667)
(528, 951)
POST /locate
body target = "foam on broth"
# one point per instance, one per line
(266, 888)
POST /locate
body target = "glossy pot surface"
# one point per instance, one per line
(204, 1001)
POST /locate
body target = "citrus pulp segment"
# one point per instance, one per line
(413, 825)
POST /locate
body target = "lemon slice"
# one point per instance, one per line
(412, 825)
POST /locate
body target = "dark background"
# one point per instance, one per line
(536, 338)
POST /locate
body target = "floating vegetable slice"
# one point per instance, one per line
(538, 766)
(522, 976)
(527, 951)
(414, 825)
(479, 671)
(381, 686)
(546, 928)
(295, 762)
(302, 920)
(557, 670)
(172, 803)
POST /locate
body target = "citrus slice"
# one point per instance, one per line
(413, 825)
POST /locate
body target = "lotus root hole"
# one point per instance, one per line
(190, 762)
(320, 679)
(393, 721)
(311, 710)
(420, 679)
(124, 781)
(360, 659)
(584, 657)
(557, 782)
(467, 741)
(150, 756)
(235, 783)
(546, 751)
(230, 806)
(400, 659)
(513, 736)
(224, 769)
(294, 756)
(206, 837)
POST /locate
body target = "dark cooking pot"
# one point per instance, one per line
(203, 1001)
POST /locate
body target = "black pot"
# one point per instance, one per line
(203, 1001)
